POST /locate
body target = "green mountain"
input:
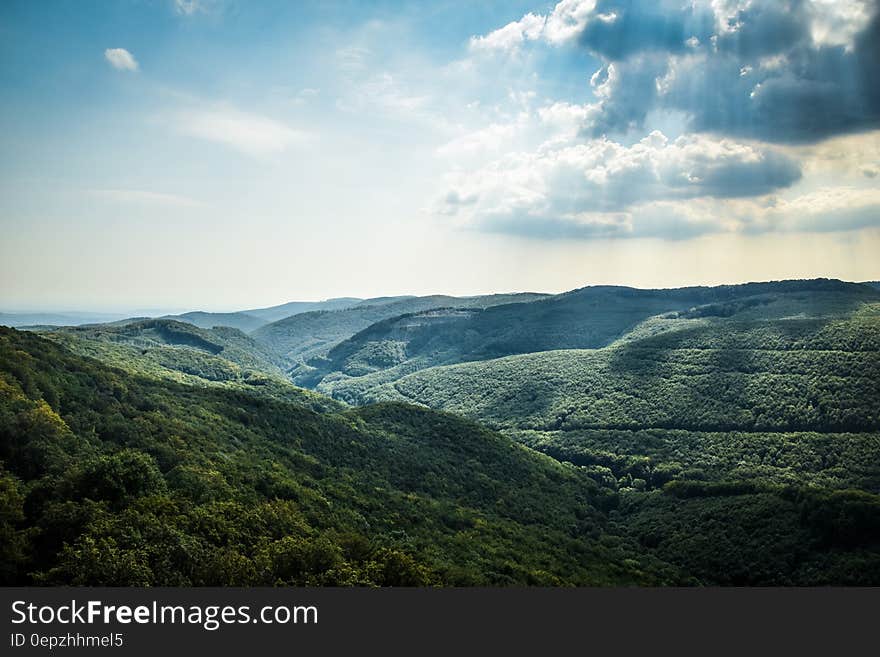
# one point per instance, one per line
(274, 313)
(241, 321)
(583, 319)
(175, 345)
(181, 352)
(304, 336)
(112, 478)
(250, 320)
(712, 374)
(742, 436)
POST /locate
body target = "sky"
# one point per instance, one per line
(222, 154)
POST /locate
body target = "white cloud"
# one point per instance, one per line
(295, 96)
(609, 185)
(835, 23)
(568, 19)
(844, 156)
(832, 198)
(563, 24)
(492, 138)
(121, 59)
(824, 210)
(563, 119)
(248, 133)
(510, 37)
(820, 210)
(576, 170)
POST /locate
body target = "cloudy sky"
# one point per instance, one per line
(219, 154)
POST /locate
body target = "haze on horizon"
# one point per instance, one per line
(218, 155)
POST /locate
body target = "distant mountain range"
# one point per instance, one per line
(304, 336)
(246, 320)
(588, 318)
(250, 320)
(57, 319)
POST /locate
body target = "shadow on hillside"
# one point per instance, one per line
(711, 377)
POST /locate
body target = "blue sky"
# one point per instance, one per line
(217, 154)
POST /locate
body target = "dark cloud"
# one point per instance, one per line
(763, 75)
(631, 91)
(737, 178)
(663, 221)
(765, 28)
(630, 27)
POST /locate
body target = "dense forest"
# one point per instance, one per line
(114, 478)
(726, 435)
(589, 318)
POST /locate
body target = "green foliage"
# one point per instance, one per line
(740, 534)
(117, 478)
(126, 480)
(229, 343)
(738, 440)
(725, 435)
(780, 375)
(13, 540)
(222, 357)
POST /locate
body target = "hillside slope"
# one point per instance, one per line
(744, 449)
(274, 313)
(242, 321)
(250, 320)
(311, 334)
(719, 375)
(180, 352)
(107, 478)
(583, 319)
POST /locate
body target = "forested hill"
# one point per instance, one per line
(742, 437)
(306, 335)
(587, 318)
(241, 321)
(109, 478)
(274, 313)
(250, 320)
(183, 353)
